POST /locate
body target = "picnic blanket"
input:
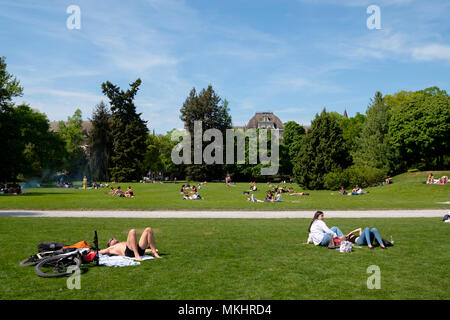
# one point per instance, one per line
(120, 261)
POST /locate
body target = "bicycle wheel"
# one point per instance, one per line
(30, 261)
(57, 266)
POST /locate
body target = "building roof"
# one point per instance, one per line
(86, 125)
(265, 120)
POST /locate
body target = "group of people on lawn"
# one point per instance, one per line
(319, 235)
(432, 180)
(191, 192)
(355, 191)
(272, 195)
(4, 189)
(118, 192)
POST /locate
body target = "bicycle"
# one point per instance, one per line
(59, 263)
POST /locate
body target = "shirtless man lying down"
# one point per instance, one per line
(132, 248)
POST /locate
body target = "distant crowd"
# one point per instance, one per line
(4, 189)
(191, 192)
(120, 193)
(273, 194)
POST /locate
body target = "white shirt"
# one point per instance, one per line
(318, 230)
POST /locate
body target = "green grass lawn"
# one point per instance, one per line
(234, 259)
(407, 191)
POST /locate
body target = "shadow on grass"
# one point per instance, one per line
(33, 194)
(18, 214)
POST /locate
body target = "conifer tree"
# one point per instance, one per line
(100, 143)
(209, 108)
(129, 133)
(323, 150)
(372, 146)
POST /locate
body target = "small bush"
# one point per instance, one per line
(335, 180)
(362, 176)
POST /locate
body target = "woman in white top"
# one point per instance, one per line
(319, 233)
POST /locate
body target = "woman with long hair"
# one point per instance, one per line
(365, 237)
(319, 233)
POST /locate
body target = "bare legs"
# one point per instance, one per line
(147, 238)
(132, 244)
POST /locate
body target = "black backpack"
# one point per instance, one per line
(446, 217)
(49, 246)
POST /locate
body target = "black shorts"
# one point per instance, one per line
(130, 253)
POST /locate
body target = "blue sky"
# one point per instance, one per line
(292, 57)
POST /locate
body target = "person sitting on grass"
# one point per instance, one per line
(365, 237)
(388, 180)
(119, 192)
(269, 196)
(320, 234)
(430, 179)
(343, 192)
(356, 191)
(277, 197)
(228, 181)
(129, 193)
(112, 191)
(132, 248)
(443, 180)
(252, 188)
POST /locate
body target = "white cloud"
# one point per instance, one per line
(431, 52)
(388, 45)
(358, 3)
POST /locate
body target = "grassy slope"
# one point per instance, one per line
(234, 259)
(406, 192)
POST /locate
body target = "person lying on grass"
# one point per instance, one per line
(132, 248)
(298, 194)
(365, 237)
(195, 196)
(320, 234)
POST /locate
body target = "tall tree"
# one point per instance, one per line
(43, 151)
(290, 146)
(129, 132)
(351, 128)
(373, 148)
(100, 143)
(209, 108)
(323, 150)
(11, 151)
(72, 133)
(419, 129)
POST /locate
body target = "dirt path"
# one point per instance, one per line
(226, 214)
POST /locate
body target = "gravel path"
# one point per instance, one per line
(225, 214)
